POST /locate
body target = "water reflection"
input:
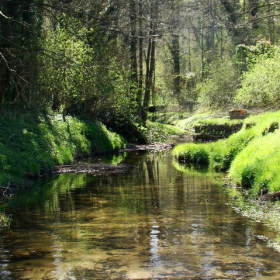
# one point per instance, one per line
(153, 222)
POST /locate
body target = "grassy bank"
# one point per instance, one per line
(31, 145)
(251, 155)
(157, 132)
(186, 120)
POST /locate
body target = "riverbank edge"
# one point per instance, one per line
(251, 168)
(31, 146)
(243, 155)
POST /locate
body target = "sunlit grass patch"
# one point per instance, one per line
(194, 153)
(220, 154)
(157, 132)
(219, 121)
(258, 165)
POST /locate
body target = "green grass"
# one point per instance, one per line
(30, 144)
(258, 165)
(157, 132)
(192, 153)
(189, 122)
(252, 154)
(168, 117)
(218, 121)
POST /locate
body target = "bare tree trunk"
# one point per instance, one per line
(141, 68)
(175, 53)
(270, 22)
(202, 47)
(151, 61)
(133, 47)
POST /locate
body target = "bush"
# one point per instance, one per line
(260, 86)
(219, 88)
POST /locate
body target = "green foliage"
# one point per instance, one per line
(80, 77)
(29, 145)
(219, 88)
(261, 84)
(67, 70)
(249, 55)
(220, 154)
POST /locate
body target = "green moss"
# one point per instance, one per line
(31, 144)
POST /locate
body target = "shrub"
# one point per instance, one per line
(260, 86)
(219, 88)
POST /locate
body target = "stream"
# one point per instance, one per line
(154, 221)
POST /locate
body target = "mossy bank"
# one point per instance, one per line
(251, 156)
(31, 145)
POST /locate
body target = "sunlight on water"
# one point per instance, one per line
(153, 222)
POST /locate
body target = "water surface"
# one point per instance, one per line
(153, 222)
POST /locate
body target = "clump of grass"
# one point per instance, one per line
(5, 222)
(193, 153)
(258, 165)
(221, 153)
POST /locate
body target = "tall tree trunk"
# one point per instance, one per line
(175, 53)
(202, 47)
(133, 47)
(270, 22)
(141, 68)
(4, 46)
(151, 61)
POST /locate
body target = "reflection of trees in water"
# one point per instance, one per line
(149, 216)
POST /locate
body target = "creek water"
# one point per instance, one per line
(154, 221)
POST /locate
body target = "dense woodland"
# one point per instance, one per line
(109, 60)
